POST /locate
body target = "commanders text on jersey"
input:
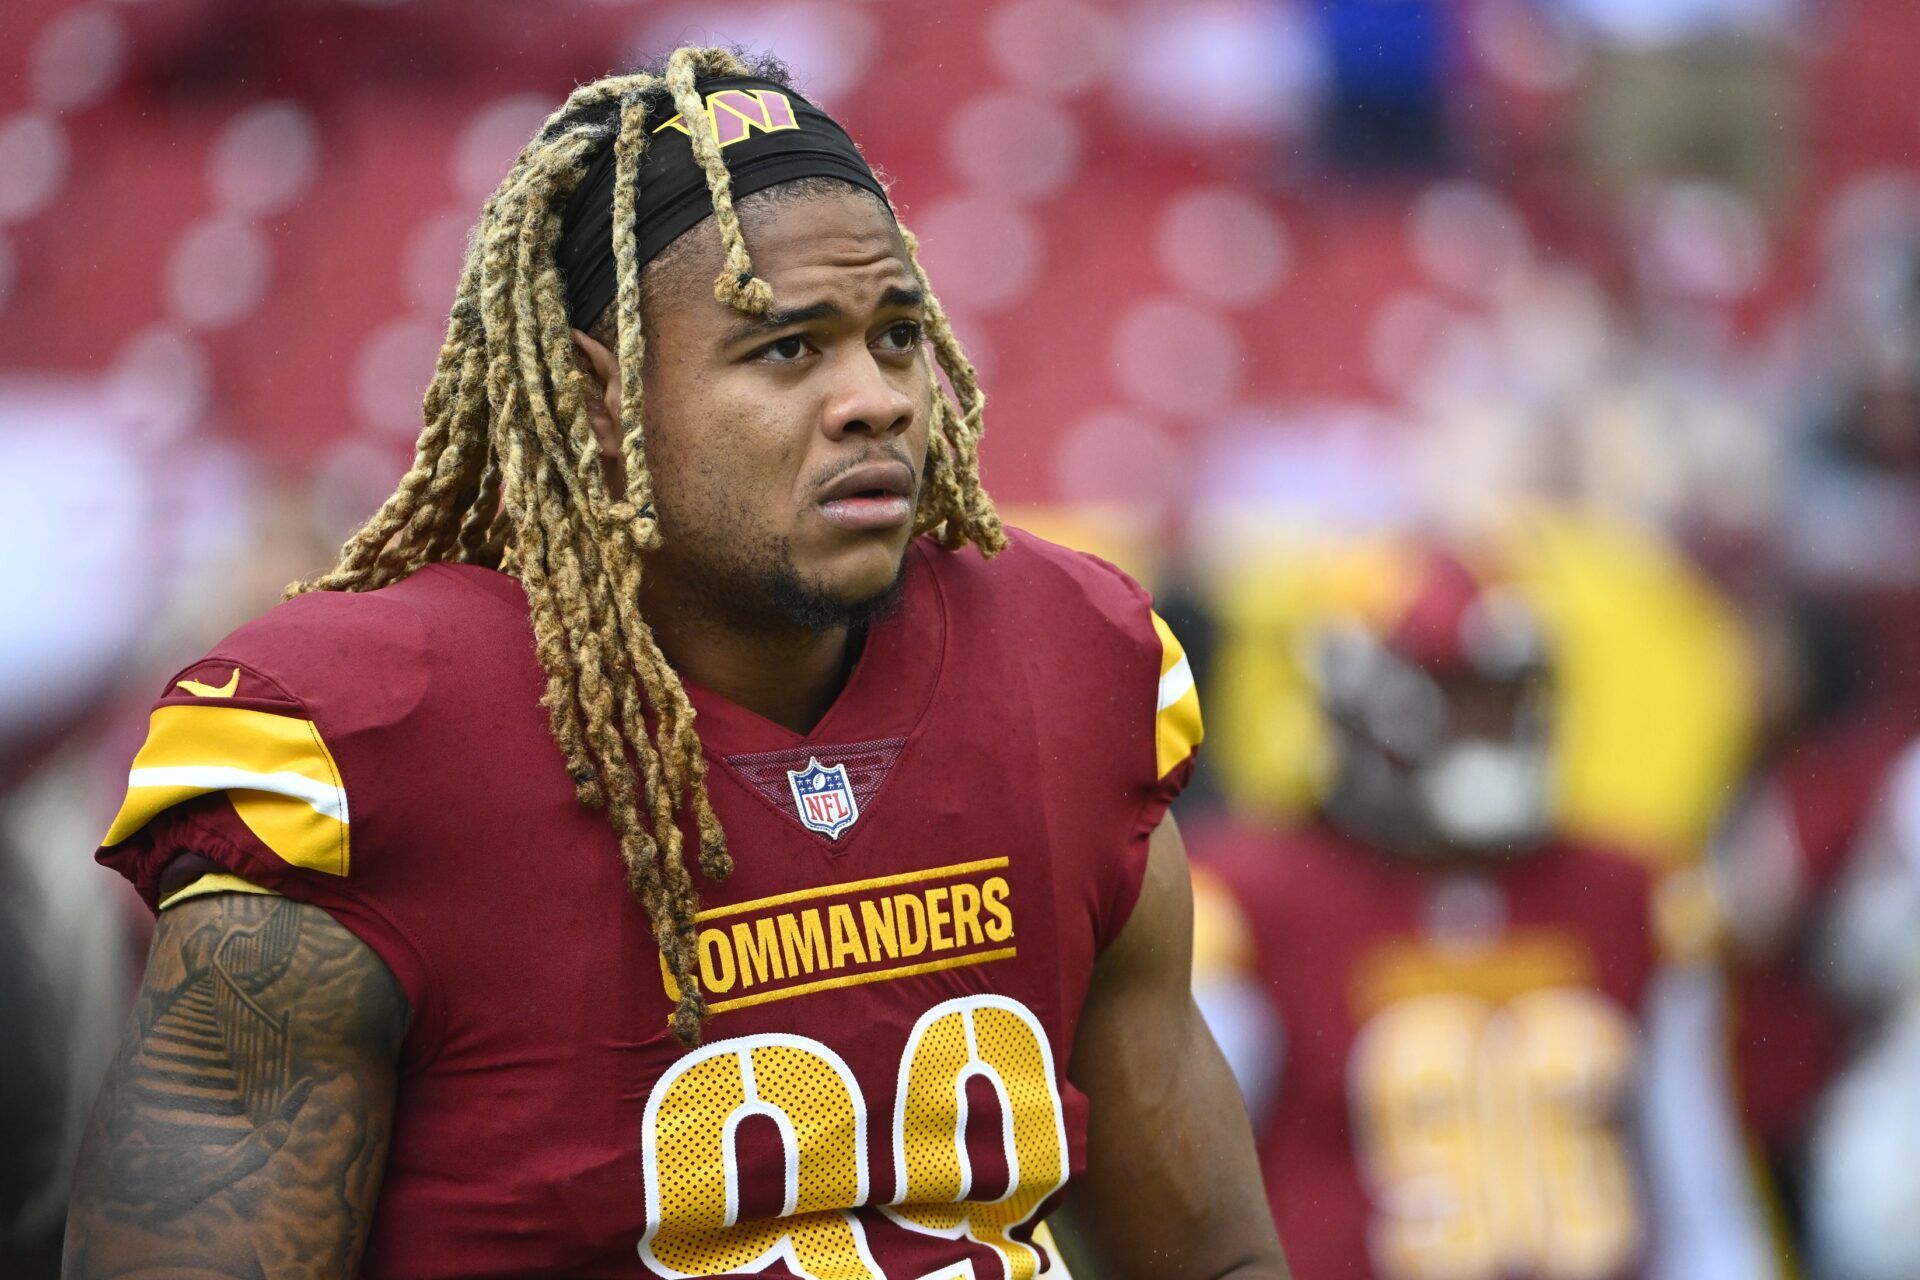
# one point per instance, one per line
(872, 931)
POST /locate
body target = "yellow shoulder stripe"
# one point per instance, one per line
(1177, 727)
(211, 883)
(276, 770)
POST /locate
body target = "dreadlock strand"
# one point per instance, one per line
(628, 148)
(573, 431)
(484, 516)
(668, 755)
(641, 683)
(557, 452)
(543, 332)
(477, 506)
(454, 486)
(959, 423)
(736, 285)
(619, 618)
(588, 98)
(500, 235)
(716, 861)
(676, 752)
(673, 749)
(566, 594)
(675, 740)
(358, 566)
(941, 499)
(640, 849)
(592, 623)
(549, 639)
(661, 793)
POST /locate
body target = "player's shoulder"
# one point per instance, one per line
(1034, 577)
(1065, 611)
(305, 713)
(399, 614)
(354, 659)
(1086, 635)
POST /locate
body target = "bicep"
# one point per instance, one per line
(243, 1127)
(1172, 1187)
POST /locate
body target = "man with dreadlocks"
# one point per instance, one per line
(412, 1007)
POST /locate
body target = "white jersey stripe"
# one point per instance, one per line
(1174, 683)
(329, 801)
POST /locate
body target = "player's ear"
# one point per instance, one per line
(603, 406)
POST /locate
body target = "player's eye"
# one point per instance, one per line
(784, 350)
(902, 337)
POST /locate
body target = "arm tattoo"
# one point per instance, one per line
(243, 1129)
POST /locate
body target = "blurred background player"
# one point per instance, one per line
(1808, 857)
(1863, 1191)
(1444, 1013)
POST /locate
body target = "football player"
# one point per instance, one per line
(684, 835)
(1436, 1007)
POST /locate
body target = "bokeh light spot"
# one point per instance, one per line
(33, 164)
(218, 272)
(1222, 246)
(1019, 146)
(1053, 47)
(390, 375)
(984, 253)
(1178, 358)
(264, 159)
(78, 58)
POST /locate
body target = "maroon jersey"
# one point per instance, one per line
(894, 969)
(1798, 832)
(1458, 1047)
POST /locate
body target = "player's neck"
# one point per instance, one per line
(790, 678)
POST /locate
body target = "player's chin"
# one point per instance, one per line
(852, 566)
(859, 571)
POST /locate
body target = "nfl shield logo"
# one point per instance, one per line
(824, 798)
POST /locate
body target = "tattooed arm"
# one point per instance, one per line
(243, 1128)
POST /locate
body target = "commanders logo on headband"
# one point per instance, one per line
(788, 139)
(736, 113)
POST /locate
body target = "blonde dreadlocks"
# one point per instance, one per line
(506, 473)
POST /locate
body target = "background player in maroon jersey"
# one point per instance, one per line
(1439, 1016)
(398, 1000)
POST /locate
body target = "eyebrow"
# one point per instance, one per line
(894, 298)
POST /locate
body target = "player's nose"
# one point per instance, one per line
(867, 399)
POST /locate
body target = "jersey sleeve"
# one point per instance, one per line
(259, 748)
(1165, 717)
(1177, 729)
(258, 759)
(1124, 691)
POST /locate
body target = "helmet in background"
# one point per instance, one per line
(1439, 719)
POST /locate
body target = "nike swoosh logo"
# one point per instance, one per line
(199, 690)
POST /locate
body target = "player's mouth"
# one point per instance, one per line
(873, 495)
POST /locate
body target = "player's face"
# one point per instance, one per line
(786, 450)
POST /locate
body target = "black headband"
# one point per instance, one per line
(768, 135)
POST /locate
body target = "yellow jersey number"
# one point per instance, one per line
(813, 1100)
(1490, 1136)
